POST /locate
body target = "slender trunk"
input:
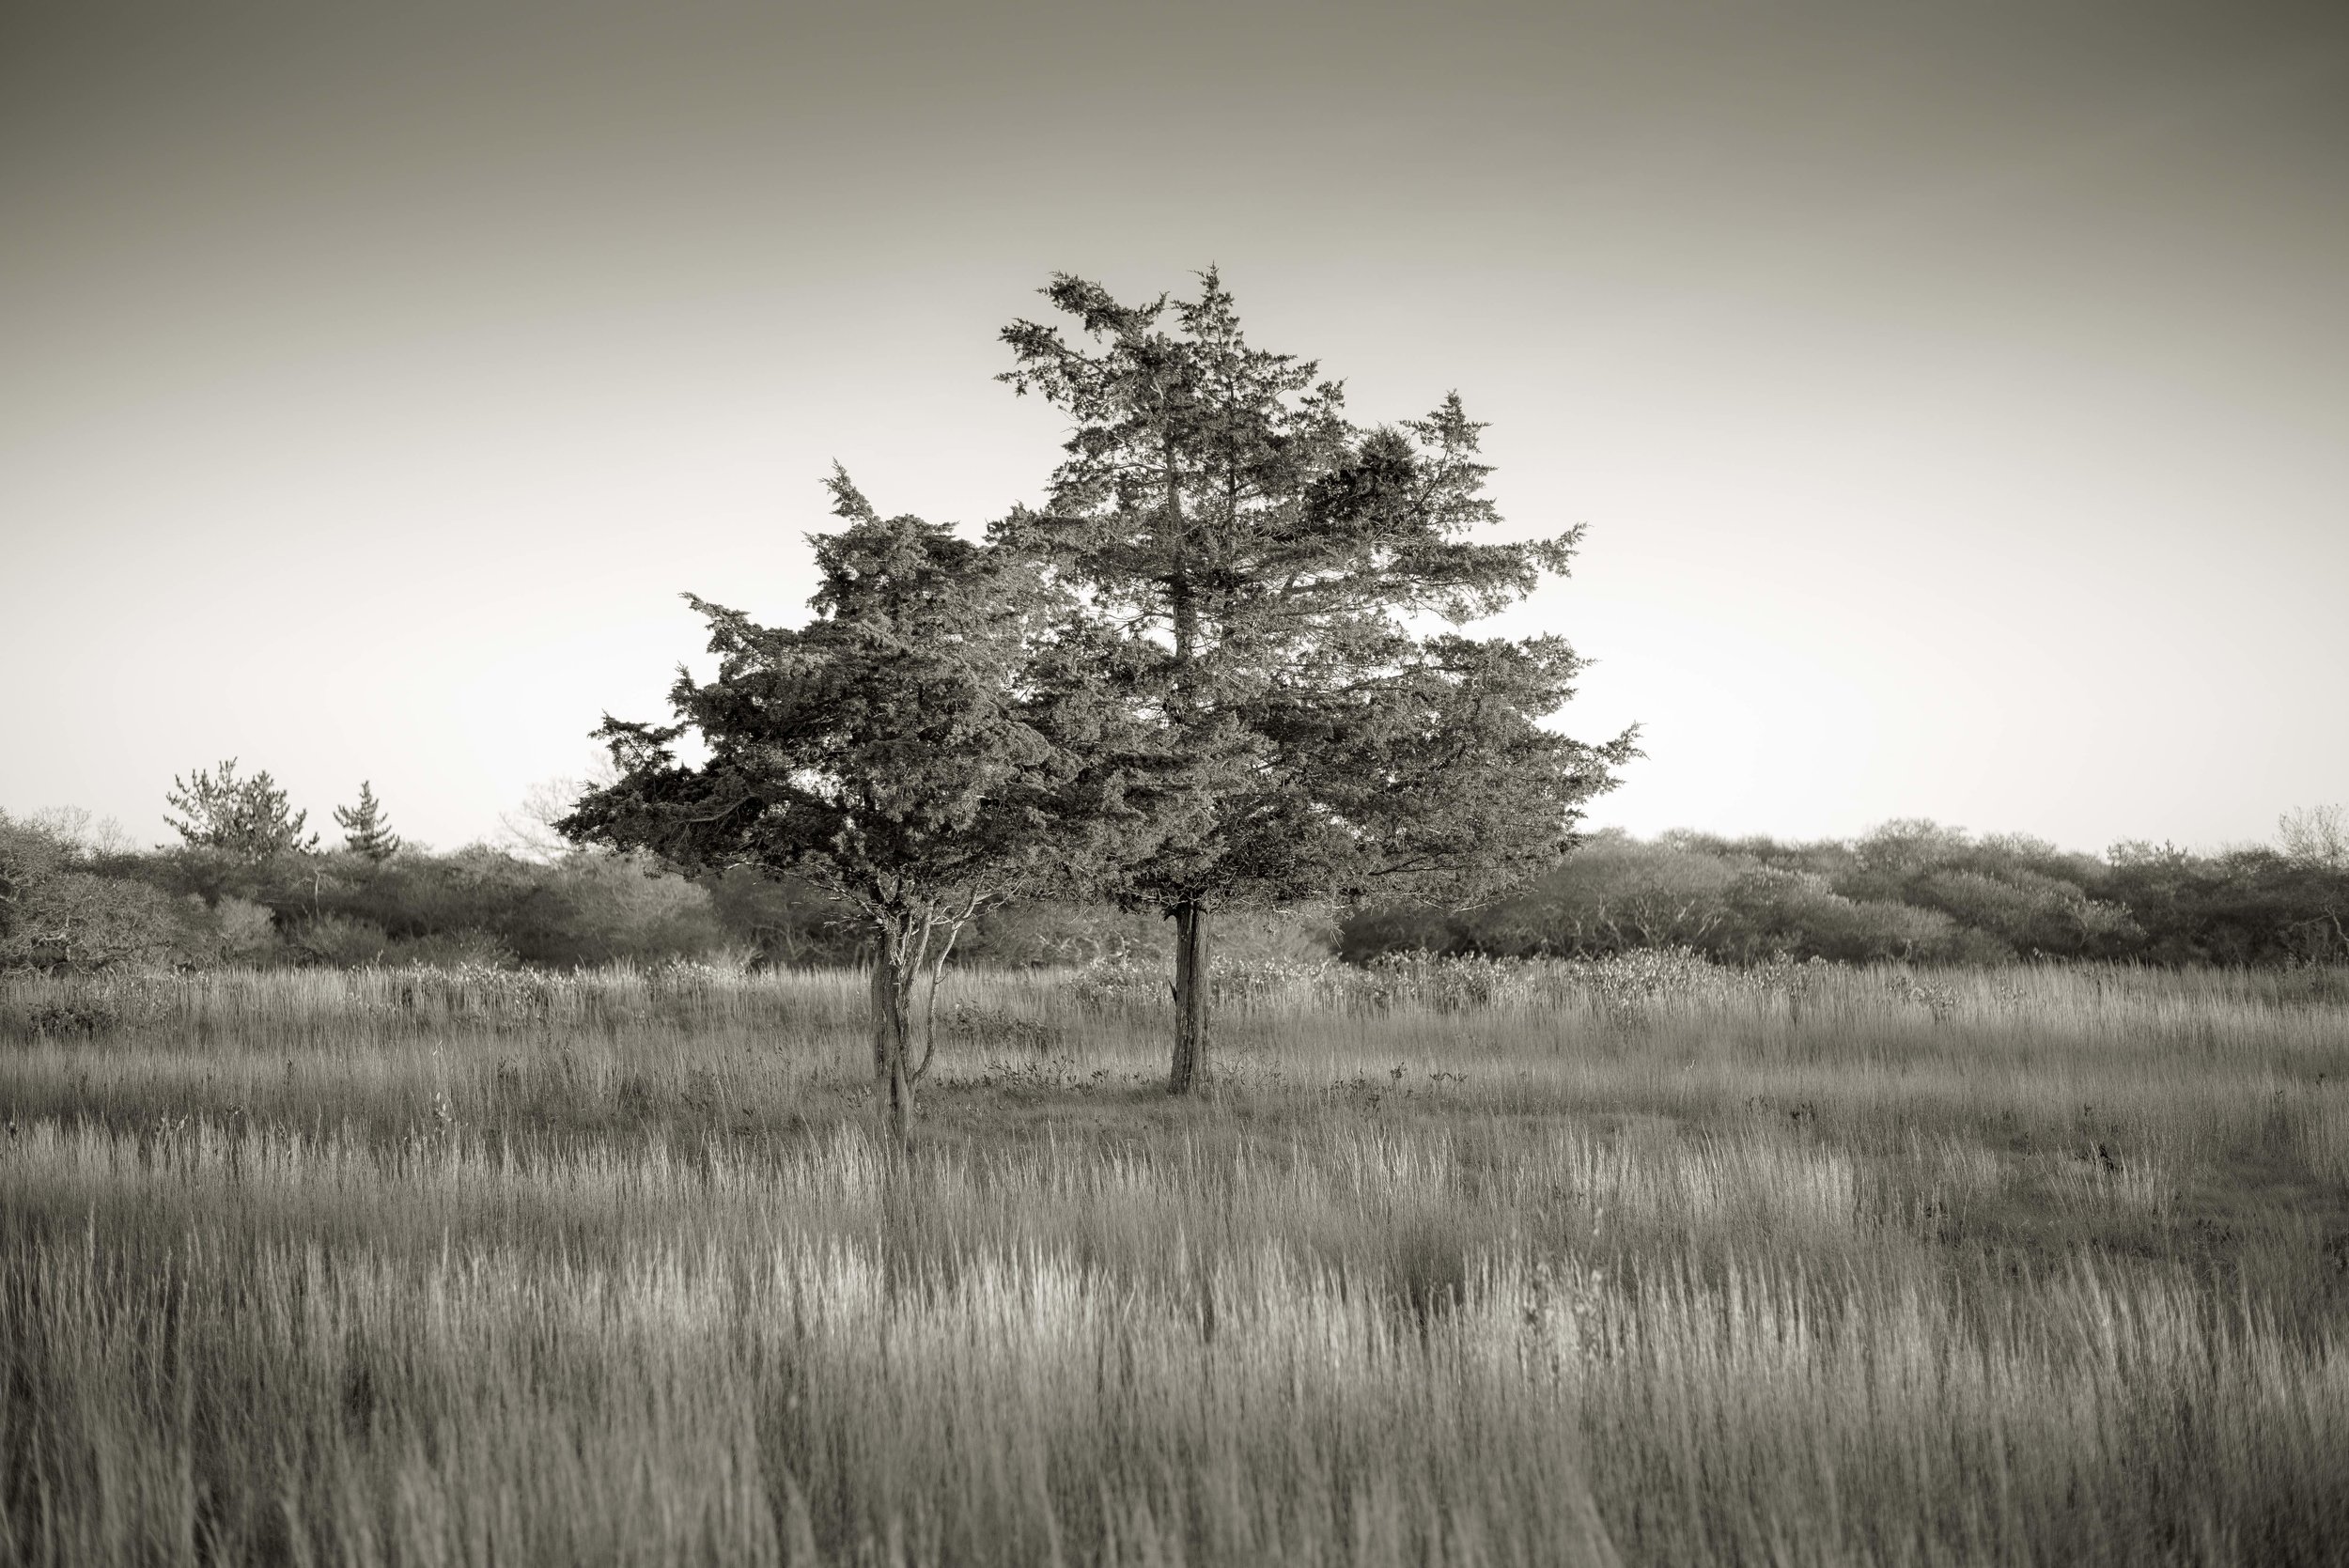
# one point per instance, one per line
(937, 970)
(894, 966)
(1192, 959)
(1190, 916)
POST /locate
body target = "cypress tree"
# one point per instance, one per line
(1281, 562)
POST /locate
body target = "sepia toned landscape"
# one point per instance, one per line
(1262, 783)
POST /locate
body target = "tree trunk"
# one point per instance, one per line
(1191, 997)
(1190, 916)
(893, 970)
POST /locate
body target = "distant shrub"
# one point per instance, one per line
(57, 913)
(476, 904)
(247, 932)
(71, 1006)
(987, 1028)
(88, 1015)
(1448, 983)
(1911, 891)
(341, 940)
(785, 923)
(2245, 907)
(1121, 979)
(1782, 912)
(1039, 933)
(1615, 895)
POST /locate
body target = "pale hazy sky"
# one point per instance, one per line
(1957, 394)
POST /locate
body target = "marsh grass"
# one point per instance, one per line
(1665, 1266)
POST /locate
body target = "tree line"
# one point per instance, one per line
(1912, 893)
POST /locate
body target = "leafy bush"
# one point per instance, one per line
(74, 1016)
(477, 904)
(785, 922)
(341, 940)
(1779, 913)
(57, 913)
(2244, 907)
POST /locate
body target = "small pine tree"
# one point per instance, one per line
(247, 818)
(365, 830)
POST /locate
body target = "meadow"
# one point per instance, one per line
(1642, 1263)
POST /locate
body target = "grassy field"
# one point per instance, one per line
(1646, 1264)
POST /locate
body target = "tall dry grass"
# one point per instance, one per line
(1663, 1267)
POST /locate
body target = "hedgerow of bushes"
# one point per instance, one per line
(1909, 892)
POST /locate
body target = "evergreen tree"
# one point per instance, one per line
(943, 736)
(365, 830)
(247, 818)
(1217, 499)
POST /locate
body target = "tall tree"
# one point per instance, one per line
(940, 736)
(248, 818)
(365, 830)
(1284, 564)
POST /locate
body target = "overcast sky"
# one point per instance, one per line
(1957, 394)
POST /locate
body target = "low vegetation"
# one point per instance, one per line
(1639, 1260)
(1912, 890)
(1913, 893)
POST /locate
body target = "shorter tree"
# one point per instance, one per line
(944, 735)
(365, 830)
(247, 818)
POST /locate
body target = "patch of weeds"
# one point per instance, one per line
(987, 1028)
(1937, 997)
(1428, 1269)
(76, 1015)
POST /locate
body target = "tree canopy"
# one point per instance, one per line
(248, 818)
(941, 736)
(1289, 569)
